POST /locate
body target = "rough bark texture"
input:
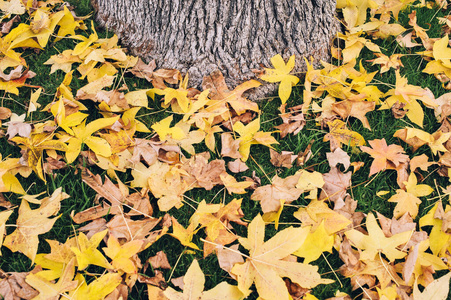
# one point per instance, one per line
(234, 36)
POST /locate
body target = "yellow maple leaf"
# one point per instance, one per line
(355, 11)
(35, 145)
(185, 236)
(405, 202)
(264, 265)
(8, 181)
(315, 244)
(376, 242)
(409, 94)
(4, 215)
(419, 190)
(80, 48)
(340, 134)
(318, 212)
(439, 240)
(52, 291)
(442, 58)
(424, 259)
(82, 134)
(97, 289)
(437, 290)
(163, 129)
(121, 254)
(281, 73)
(435, 141)
(33, 222)
(233, 186)
(67, 25)
(164, 181)
(274, 216)
(193, 287)
(87, 253)
(354, 43)
(62, 61)
(250, 135)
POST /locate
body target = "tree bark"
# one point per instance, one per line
(234, 36)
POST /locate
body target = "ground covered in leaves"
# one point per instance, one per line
(119, 179)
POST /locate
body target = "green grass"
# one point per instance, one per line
(363, 189)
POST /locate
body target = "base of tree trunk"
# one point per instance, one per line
(234, 36)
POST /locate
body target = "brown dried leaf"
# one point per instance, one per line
(93, 227)
(158, 280)
(219, 91)
(293, 122)
(305, 155)
(96, 212)
(6, 26)
(406, 41)
(140, 203)
(204, 174)
(107, 190)
(336, 184)
(383, 270)
(338, 157)
(230, 146)
(17, 126)
(14, 287)
(284, 159)
(398, 110)
(125, 228)
(160, 260)
(14, 74)
(356, 109)
(227, 257)
(385, 157)
(237, 166)
(120, 292)
(256, 181)
(295, 290)
(280, 189)
(158, 77)
(422, 162)
(5, 113)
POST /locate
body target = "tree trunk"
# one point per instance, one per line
(234, 36)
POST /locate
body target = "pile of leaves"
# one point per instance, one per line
(93, 128)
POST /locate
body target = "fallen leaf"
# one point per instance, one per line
(385, 157)
(87, 253)
(376, 242)
(185, 236)
(33, 222)
(438, 289)
(193, 287)
(335, 185)
(315, 244)
(121, 254)
(281, 73)
(339, 134)
(284, 159)
(264, 265)
(338, 157)
(280, 189)
(356, 109)
(160, 260)
(219, 91)
(51, 291)
(237, 166)
(233, 186)
(228, 257)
